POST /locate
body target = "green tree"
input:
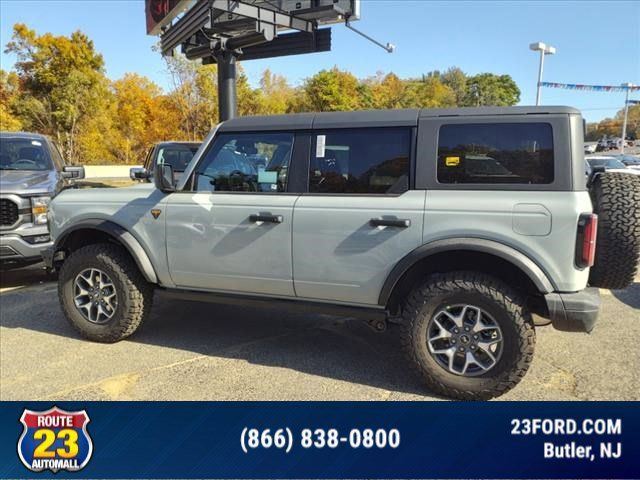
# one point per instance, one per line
(487, 89)
(330, 91)
(456, 80)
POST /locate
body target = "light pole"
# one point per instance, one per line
(626, 114)
(544, 49)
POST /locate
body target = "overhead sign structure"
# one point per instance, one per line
(223, 31)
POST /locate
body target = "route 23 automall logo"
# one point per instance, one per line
(55, 440)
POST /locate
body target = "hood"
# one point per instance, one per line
(144, 192)
(25, 182)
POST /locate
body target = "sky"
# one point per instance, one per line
(597, 42)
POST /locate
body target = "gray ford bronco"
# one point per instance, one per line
(457, 225)
(31, 173)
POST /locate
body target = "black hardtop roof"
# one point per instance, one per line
(24, 135)
(379, 118)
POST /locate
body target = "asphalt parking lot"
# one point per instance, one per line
(192, 351)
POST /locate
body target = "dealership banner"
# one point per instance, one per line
(319, 440)
(591, 88)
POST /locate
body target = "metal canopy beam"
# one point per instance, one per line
(262, 15)
(206, 15)
(294, 43)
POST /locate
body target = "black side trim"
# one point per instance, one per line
(290, 304)
(518, 259)
(123, 236)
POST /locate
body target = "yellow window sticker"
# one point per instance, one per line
(452, 161)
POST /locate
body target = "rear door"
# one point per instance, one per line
(359, 216)
(232, 230)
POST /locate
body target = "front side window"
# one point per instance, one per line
(363, 160)
(489, 153)
(177, 155)
(246, 162)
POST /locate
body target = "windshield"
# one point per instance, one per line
(177, 155)
(23, 154)
(606, 163)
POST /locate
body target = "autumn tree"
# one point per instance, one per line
(9, 92)
(63, 82)
(429, 92)
(143, 117)
(275, 93)
(387, 91)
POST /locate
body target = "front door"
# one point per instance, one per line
(232, 230)
(359, 217)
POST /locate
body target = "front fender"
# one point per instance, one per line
(120, 234)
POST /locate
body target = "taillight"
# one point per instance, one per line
(586, 241)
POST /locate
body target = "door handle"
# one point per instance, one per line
(384, 222)
(262, 217)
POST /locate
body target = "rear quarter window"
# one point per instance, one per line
(496, 153)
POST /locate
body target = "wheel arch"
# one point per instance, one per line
(93, 231)
(486, 256)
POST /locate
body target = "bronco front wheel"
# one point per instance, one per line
(468, 335)
(103, 294)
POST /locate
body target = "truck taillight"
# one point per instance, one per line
(586, 241)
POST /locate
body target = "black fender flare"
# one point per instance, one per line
(510, 254)
(130, 243)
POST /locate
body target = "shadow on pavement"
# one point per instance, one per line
(330, 347)
(629, 296)
(25, 277)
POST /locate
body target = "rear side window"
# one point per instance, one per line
(488, 153)
(362, 160)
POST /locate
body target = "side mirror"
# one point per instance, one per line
(163, 178)
(139, 173)
(75, 173)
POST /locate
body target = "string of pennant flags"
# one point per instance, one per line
(591, 88)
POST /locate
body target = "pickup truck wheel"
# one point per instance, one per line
(616, 200)
(103, 294)
(468, 335)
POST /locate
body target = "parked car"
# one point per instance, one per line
(630, 161)
(610, 164)
(456, 224)
(590, 147)
(32, 172)
(176, 154)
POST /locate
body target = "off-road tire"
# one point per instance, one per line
(507, 307)
(135, 294)
(616, 200)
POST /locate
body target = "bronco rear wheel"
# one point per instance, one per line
(103, 294)
(468, 335)
(616, 200)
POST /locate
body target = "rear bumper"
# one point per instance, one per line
(574, 312)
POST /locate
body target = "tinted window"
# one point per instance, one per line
(246, 162)
(365, 160)
(23, 154)
(177, 155)
(516, 153)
